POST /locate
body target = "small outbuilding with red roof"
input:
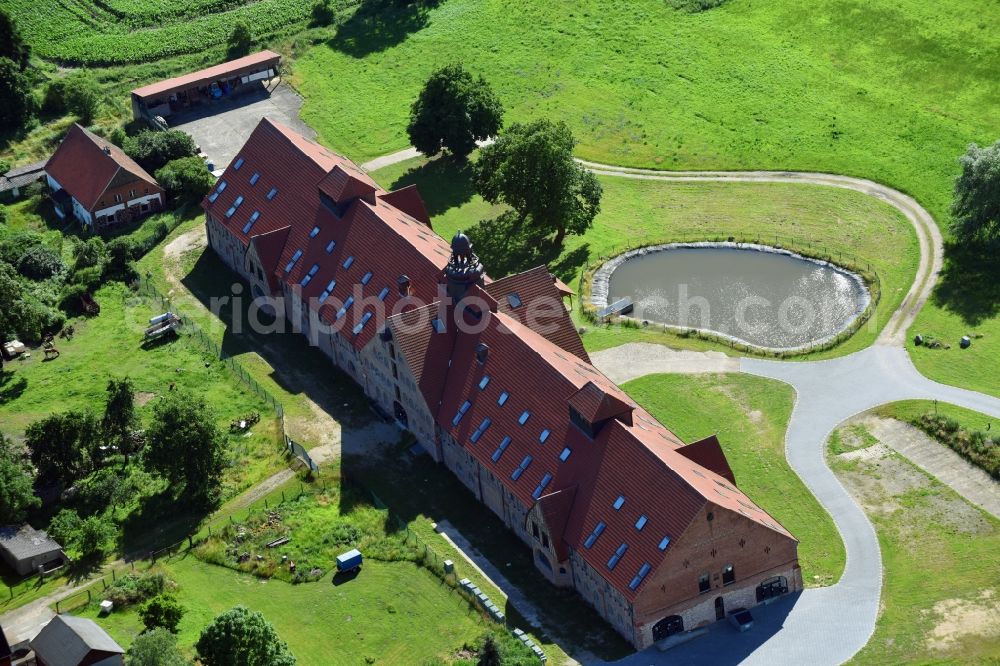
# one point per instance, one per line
(94, 181)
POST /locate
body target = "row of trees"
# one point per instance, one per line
(237, 637)
(530, 167)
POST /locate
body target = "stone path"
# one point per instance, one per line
(944, 464)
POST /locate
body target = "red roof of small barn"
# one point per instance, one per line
(541, 307)
(205, 76)
(83, 168)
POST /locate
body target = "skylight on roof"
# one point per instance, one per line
(218, 190)
(272, 193)
(504, 443)
(525, 415)
(483, 427)
(361, 324)
(237, 164)
(255, 177)
(565, 454)
(382, 294)
(503, 398)
(307, 278)
(664, 542)
(618, 502)
(326, 292)
(438, 325)
(541, 486)
(314, 232)
(366, 278)
(484, 382)
(544, 436)
(349, 261)
(253, 218)
(514, 300)
(461, 412)
(516, 474)
(592, 538)
(329, 246)
(637, 581)
(236, 204)
(347, 306)
(291, 264)
(617, 556)
(643, 519)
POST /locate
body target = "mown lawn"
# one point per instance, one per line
(750, 415)
(392, 613)
(940, 557)
(840, 223)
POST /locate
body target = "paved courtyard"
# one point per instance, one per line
(222, 128)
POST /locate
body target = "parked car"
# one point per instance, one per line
(741, 619)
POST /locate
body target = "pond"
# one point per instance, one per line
(766, 297)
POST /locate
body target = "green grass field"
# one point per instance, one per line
(749, 415)
(940, 559)
(392, 613)
(839, 222)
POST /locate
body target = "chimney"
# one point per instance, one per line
(107, 150)
(482, 352)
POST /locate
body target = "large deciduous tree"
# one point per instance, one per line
(241, 637)
(185, 445)
(187, 178)
(453, 111)
(152, 150)
(120, 418)
(531, 169)
(17, 495)
(61, 444)
(976, 206)
(161, 611)
(12, 44)
(19, 103)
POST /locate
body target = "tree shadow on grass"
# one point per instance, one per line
(161, 520)
(11, 386)
(444, 183)
(968, 285)
(380, 24)
(507, 247)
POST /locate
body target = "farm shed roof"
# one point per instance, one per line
(24, 541)
(205, 76)
(68, 640)
(21, 176)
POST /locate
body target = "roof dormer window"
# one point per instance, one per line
(361, 324)
(637, 581)
(592, 537)
(382, 294)
(314, 232)
(461, 412)
(237, 164)
(618, 502)
(329, 246)
(613, 561)
(664, 542)
(565, 454)
(544, 436)
(255, 177)
(639, 524)
(220, 188)
(347, 306)
(525, 415)
(348, 261)
(514, 300)
(273, 193)
(307, 278)
(504, 443)
(249, 224)
(366, 278)
(503, 398)
(236, 204)
(484, 382)
(519, 470)
(483, 427)
(326, 292)
(541, 486)
(438, 325)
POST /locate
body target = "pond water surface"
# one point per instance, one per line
(768, 299)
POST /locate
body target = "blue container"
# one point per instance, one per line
(349, 561)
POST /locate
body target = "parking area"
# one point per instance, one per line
(223, 127)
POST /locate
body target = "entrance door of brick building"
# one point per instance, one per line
(720, 608)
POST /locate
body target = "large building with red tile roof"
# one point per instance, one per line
(94, 180)
(493, 380)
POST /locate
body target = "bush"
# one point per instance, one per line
(64, 526)
(187, 178)
(153, 149)
(83, 95)
(120, 255)
(95, 536)
(70, 300)
(40, 263)
(976, 446)
(19, 104)
(135, 588)
(155, 648)
(14, 245)
(240, 39)
(162, 611)
(91, 252)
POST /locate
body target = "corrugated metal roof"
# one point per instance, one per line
(205, 76)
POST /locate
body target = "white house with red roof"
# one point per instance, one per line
(94, 180)
(493, 380)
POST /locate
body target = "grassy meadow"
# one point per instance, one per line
(750, 415)
(809, 217)
(940, 559)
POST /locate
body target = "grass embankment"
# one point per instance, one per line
(892, 91)
(750, 415)
(838, 222)
(939, 553)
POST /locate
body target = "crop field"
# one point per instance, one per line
(91, 32)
